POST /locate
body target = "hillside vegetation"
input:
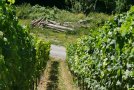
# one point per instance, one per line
(81, 23)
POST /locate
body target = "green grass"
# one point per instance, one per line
(27, 13)
(58, 38)
(25, 22)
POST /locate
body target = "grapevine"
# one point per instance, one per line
(23, 57)
(104, 59)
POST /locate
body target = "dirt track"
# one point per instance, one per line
(64, 77)
(58, 52)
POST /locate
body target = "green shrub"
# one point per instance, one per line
(104, 59)
(43, 12)
(26, 11)
(23, 11)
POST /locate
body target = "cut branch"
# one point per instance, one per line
(50, 24)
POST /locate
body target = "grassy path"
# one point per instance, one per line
(65, 77)
(44, 79)
(57, 77)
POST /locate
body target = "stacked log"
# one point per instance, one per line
(50, 24)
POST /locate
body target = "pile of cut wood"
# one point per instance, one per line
(50, 24)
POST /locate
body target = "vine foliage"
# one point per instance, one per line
(23, 57)
(105, 58)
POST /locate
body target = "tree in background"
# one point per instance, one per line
(51, 3)
(107, 6)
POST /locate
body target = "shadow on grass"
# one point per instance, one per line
(53, 78)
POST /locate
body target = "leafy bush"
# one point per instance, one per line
(22, 56)
(104, 59)
(25, 11)
(43, 12)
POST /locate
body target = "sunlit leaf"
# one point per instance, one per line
(11, 1)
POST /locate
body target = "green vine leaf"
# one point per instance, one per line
(11, 1)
